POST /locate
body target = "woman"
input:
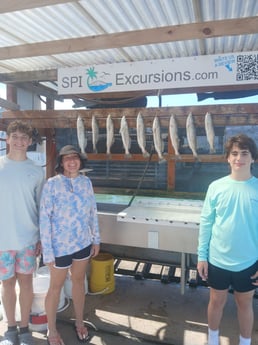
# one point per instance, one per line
(70, 236)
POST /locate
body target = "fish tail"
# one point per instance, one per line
(146, 154)
(128, 155)
(178, 157)
(162, 160)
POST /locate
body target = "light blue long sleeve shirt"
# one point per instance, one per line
(21, 183)
(228, 234)
(68, 216)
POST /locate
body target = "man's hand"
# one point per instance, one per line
(38, 248)
(255, 278)
(202, 267)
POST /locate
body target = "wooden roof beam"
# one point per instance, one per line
(217, 28)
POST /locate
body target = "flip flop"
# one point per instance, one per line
(82, 333)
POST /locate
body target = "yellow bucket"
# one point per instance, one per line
(102, 278)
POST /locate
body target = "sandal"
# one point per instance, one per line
(26, 339)
(10, 338)
(82, 333)
(55, 340)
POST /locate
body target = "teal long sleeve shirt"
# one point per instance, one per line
(228, 234)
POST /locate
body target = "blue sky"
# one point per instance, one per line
(167, 101)
(177, 100)
(191, 99)
(2, 91)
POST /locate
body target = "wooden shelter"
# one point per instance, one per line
(65, 33)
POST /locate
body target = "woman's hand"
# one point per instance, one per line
(95, 250)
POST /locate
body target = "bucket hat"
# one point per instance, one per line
(68, 150)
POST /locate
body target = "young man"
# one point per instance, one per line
(21, 182)
(228, 239)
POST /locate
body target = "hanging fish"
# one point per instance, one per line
(158, 142)
(173, 132)
(191, 134)
(124, 131)
(95, 133)
(141, 137)
(82, 139)
(110, 133)
(209, 129)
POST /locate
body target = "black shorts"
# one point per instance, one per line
(66, 260)
(241, 281)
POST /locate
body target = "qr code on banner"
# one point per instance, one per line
(247, 67)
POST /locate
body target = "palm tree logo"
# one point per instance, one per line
(95, 84)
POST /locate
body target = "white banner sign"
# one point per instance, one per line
(207, 70)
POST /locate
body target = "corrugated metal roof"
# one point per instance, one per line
(40, 36)
(85, 18)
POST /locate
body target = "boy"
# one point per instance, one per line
(21, 182)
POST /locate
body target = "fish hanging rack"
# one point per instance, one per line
(222, 115)
(219, 120)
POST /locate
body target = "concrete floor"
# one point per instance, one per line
(148, 312)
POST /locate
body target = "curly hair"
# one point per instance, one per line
(244, 143)
(21, 126)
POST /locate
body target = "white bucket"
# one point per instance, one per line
(40, 288)
(43, 271)
(38, 323)
(1, 313)
(68, 285)
(38, 318)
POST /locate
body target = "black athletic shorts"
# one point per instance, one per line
(66, 260)
(241, 281)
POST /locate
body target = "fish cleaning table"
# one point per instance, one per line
(158, 223)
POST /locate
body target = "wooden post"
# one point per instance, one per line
(50, 144)
(11, 93)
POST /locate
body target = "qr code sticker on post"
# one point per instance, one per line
(247, 67)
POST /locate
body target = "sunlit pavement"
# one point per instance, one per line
(148, 312)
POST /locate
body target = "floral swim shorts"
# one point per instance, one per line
(12, 261)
